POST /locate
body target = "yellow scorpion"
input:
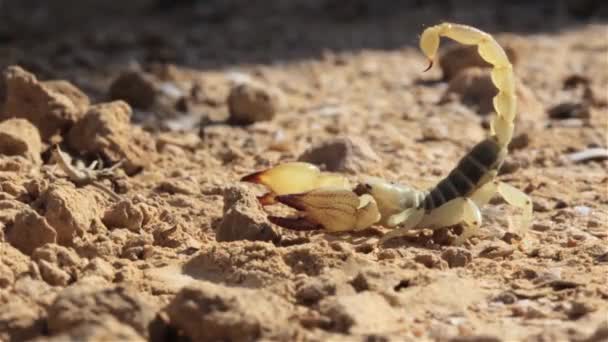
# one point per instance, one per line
(327, 200)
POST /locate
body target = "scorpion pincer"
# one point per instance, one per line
(327, 200)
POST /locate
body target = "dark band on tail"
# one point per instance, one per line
(465, 177)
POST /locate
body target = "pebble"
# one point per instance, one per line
(457, 257)
(250, 102)
(541, 227)
(569, 110)
(589, 154)
(582, 210)
(136, 88)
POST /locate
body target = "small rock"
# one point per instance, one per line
(244, 218)
(457, 257)
(569, 110)
(519, 141)
(52, 108)
(343, 154)
(86, 302)
(58, 265)
(434, 130)
(460, 57)
(124, 215)
(506, 297)
(30, 231)
(209, 312)
(99, 267)
(496, 249)
(52, 274)
(106, 131)
(541, 227)
(250, 102)
(18, 137)
(541, 204)
(431, 261)
(136, 88)
(313, 289)
(582, 210)
(579, 309)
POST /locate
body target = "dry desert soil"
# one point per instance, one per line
(192, 95)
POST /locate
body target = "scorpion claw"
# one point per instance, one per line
(295, 223)
(295, 201)
(253, 177)
(429, 67)
(267, 199)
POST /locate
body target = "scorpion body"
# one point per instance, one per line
(455, 199)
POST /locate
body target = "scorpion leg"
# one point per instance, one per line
(511, 195)
(406, 220)
(459, 210)
(519, 199)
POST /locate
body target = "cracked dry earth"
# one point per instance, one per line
(185, 252)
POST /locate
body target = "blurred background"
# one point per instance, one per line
(211, 33)
(88, 42)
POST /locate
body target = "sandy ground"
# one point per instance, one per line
(171, 246)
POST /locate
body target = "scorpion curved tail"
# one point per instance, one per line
(481, 164)
(502, 73)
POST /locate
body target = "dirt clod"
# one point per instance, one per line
(88, 302)
(30, 231)
(58, 265)
(50, 108)
(457, 257)
(18, 137)
(124, 215)
(69, 211)
(364, 311)
(106, 131)
(208, 312)
(244, 219)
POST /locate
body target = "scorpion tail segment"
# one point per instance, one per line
(295, 223)
(491, 52)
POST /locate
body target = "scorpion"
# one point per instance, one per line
(328, 201)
